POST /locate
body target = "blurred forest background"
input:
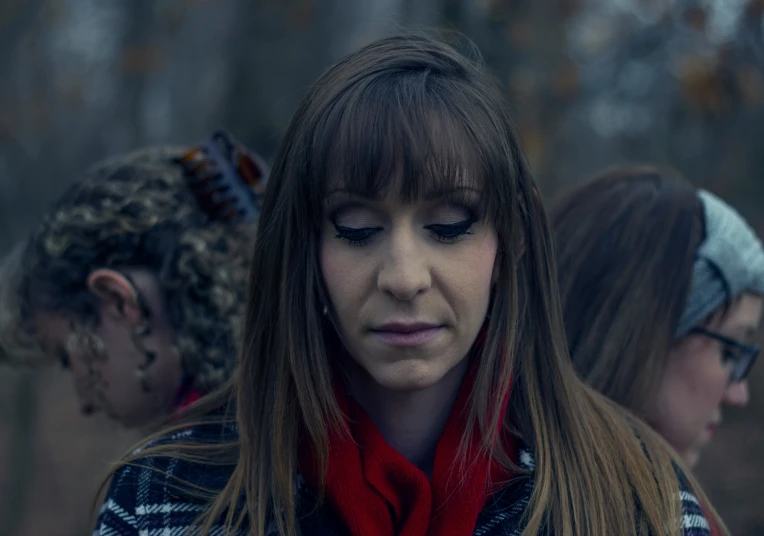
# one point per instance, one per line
(593, 82)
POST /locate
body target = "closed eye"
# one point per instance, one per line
(356, 236)
(451, 232)
(443, 232)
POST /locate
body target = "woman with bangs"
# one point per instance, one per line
(404, 367)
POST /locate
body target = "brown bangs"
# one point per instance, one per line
(403, 131)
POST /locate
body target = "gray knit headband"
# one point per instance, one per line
(728, 263)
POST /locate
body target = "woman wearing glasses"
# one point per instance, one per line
(662, 286)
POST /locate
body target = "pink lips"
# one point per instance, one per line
(402, 334)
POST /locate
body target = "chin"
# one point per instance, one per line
(408, 376)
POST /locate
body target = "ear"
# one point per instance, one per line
(117, 295)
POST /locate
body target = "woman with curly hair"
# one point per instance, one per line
(135, 280)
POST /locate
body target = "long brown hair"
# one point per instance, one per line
(414, 105)
(626, 243)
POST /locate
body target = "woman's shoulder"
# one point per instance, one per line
(694, 520)
(159, 488)
(505, 513)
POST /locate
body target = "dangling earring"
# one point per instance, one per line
(326, 310)
(143, 330)
(93, 345)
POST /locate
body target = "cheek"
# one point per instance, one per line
(469, 273)
(703, 375)
(690, 393)
(343, 270)
(117, 367)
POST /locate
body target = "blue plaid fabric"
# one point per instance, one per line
(146, 500)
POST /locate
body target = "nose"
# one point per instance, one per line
(736, 394)
(404, 272)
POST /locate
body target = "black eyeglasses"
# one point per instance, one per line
(742, 356)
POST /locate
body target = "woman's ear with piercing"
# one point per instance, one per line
(142, 331)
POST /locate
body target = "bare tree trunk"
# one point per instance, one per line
(21, 461)
(138, 26)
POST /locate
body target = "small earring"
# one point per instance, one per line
(326, 310)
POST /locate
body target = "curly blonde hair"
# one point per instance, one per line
(133, 211)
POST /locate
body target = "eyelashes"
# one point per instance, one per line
(451, 232)
(447, 233)
(356, 236)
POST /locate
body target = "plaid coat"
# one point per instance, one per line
(143, 502)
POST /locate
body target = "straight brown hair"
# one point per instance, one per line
(626, 243)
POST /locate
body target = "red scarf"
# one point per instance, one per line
(377, 492)
(184, 400)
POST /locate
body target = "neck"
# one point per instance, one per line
(410, 421)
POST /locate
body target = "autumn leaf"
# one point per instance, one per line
(696, 18)
(302, 15)
(8, 12)
(519, 32)
(755, 8)
(142, 59)
(570, 7)
(37, 112)
(749, 80)
(523, 83)
(54, 12)
(701, 86)
(74, 93)
(533, 141)
(567, 80)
